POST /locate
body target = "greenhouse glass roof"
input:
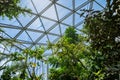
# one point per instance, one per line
(47, 21)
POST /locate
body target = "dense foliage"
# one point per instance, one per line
(13, 65)
(71, 36)
(92, 55)
(69, 58)
(22, 65)
(101, 51)
(11, 8)
(102, 29)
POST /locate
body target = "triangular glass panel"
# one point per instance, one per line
(62, 11)
(5, 35)
(1, 48)
(69, 20)
(79, 2)
(47, 23)
(11, 32)
(50, 13)
(25, 45)
(16, 48)
(44, 40)
(47, 53)
(78, 18)
(63, 28)
(13, 49)
(25, 19)
(24, 36)
(6, 51)
(66, 3)
(97, 6)
(52, 38)
(80, 26)
(55, 30)
(81, 11)
(82, 8)
(34, 35)
(78, 31)
(41, 4)
(27, 4)
(57, 39)
(33, 47)
(5, 20)
(36, 25)
(102, 3)
(36, 46)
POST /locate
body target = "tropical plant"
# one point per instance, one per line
(102, 29)
(69, 60)
(97, 59)
(23, 65)
(11, 8)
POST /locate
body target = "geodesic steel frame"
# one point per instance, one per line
(38, 15)
(59, 24)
